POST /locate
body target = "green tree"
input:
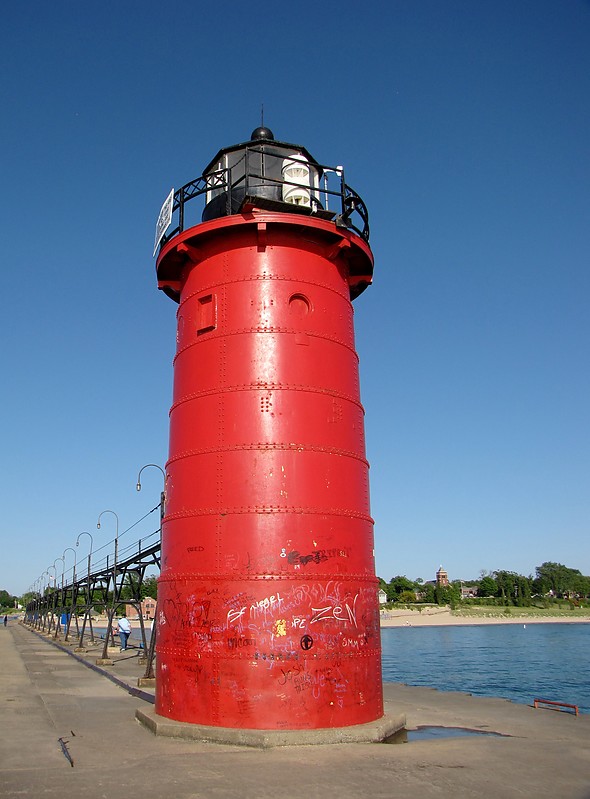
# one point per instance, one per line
(523, 591)
(396, 585)
(447, 594)
(487, 587)
(559, 578)
(150, 587)
(6, 599)
(513, 588)
(428, 591)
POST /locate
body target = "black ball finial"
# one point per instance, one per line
(261, 133)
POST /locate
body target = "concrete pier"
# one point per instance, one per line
(56, 710)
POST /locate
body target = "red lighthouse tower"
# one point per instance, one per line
(267, 600)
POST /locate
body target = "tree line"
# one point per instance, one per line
(552, 581)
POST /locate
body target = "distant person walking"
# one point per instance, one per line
(5, 620)
(124, 631)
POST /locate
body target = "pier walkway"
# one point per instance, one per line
(56, 711)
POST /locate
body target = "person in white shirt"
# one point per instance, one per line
(124, 631)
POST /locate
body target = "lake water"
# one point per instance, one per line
(548, 661)
(511, 661)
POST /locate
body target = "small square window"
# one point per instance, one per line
(206, 314)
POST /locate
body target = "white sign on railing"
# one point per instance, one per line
(164, 219)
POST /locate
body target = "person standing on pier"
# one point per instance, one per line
(124, 631)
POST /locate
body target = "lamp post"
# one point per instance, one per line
(91, 545)
(34, 601)
(40, 618)
(50, 598)
(29, 604)
(69, 616)
(59, 609)
(162, 493)
(63, 564)
(87, 614)
(112, 614)
(70, 549)
(50, 578)
(149, 672)
(37, 604)
(46, 595)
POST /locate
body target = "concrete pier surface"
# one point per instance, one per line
(55, 708)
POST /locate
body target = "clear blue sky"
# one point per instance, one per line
(465, 126)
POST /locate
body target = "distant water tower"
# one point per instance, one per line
(442, 578)
(268, 607)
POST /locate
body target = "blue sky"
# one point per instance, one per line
(464, 125)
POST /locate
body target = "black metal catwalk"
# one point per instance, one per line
(66, 612)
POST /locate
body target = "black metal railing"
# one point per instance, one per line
(66, 612)
(246, 181)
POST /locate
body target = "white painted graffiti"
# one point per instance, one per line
(234, 615)
(355, 643)
(341, 612)
(269, 604)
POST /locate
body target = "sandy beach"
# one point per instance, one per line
(439, 617)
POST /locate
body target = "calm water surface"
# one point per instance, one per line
(550, 661)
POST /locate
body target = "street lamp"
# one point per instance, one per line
(48, 599)
(42, 583)
(63, 564)
(60, 597)
(44, 588)
(90, 553)
(64, 593)
(40, 591)
(71, 549)
(41, 608)
(49, 578)
(116, 543)
(155, 466)
(109, 630)
(52, 599)
(87, 612)
(162, 493)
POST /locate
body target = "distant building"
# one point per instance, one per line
(382, 596)
(442, 578)
(148, 609)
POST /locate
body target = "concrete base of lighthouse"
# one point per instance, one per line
(374, 732)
